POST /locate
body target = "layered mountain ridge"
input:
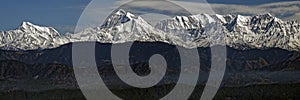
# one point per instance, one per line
(249, 61)
(202, 30)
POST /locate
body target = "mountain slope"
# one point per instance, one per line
(242, 32)
(202, 30)
(121, 27)
(30, 36)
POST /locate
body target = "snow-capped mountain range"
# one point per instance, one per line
(241, 32)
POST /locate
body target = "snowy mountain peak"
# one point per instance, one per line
(124, 13)
(241, 32)
(26, 24)
(241, 20)
(120, 27)
(32, 28)
(29, 36)
(264, 17)
(267, 15)
(119, 17)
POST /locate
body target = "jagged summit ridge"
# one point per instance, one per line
(241, 32)
(119, 17)
(31, 28)
(121, 27)
(29, 37)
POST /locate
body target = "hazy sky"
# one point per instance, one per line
(63, 14)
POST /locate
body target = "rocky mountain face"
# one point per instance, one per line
(202, 30)
(29, 37)
(241, 32)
